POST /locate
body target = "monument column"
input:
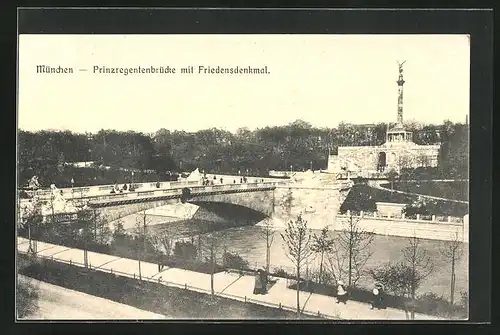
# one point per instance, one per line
(400, 95)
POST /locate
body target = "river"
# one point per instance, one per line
(248, 242)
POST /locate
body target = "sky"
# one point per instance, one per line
(321, 79)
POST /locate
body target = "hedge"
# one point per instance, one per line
(427, 304)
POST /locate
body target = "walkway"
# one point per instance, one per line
(377, 184)
(228, 285)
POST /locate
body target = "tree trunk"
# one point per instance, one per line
(30, 246)
(452, 288)
(95, 227)
(298, 291)
(199, 247)
(268, 258)
(140, 267)
(212, 272)
(413, 303)
(85, 254)
(350, 255)
(140, 254)
(320, 279)
(406, 310)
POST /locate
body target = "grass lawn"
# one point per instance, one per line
(364, 198)
(456, 190)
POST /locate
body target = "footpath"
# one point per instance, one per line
(228, 285)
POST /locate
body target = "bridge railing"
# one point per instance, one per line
(93, 191)
(174, 188)
(178, 191)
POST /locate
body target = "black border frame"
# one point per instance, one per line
(477, 23)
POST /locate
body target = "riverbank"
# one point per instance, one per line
(227, 285)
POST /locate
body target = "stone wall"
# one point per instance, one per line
(318, 205)
(408, 228)
(113, 213)
(366, 158)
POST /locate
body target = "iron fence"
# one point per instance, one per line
(185, 286)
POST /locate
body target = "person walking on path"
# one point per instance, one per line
(263, 279)
(258, 286)
(341, 292)
(377, 301)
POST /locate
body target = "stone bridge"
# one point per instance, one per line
(256, 197)
(281, 200)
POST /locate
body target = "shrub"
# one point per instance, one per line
(326, 277)
(411, 211)
(234, 261)
(360, 180)
(119, 231)
(26, 297)
(280, 272)
(433, 304)
(185, 250)
(186, 194)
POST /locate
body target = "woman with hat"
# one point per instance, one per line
(341, 292)
(377, 296)
(258, 286)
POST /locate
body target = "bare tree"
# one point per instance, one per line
(101, 228)
(286, 201)
(211, 246)
(452, 251)
(141, 233)
(396, 278)
(32, 220)
(84, 217)
(322, 244)
(404, 278)
(118, 229)
(350, 252)
(297, 238)
(163, 243)
(268, 234)
(420, 264)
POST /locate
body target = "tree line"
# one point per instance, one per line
(297, 146)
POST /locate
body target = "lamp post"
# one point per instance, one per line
(132, 177)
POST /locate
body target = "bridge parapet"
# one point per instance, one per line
(177, 192)
(103, 190)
